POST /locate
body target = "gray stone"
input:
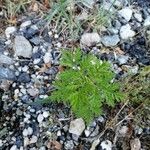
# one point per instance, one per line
(14, 147)
(5, 60)
(89, 39)
(40, 118)
(122, 59)
(126, 13)
(126, 32)
(147, 21)
(33, 92)
(77, 126)
(110, 40)
(123, 131)
(138, 17)
(5, 84)
(35, 40)
(107, 145)
(69, 145)
(135, 144)
(7, 74)
(33, 139)
(24, 78)
(88, 3)
(47, 57)
(9, 31)
(25, 24)
(22, 47)
(45, 114)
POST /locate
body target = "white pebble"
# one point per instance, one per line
(33, 139)
(30, 131)
(25, 24)
(9, 31)
(107, 145)
(47, 58)
(56, 36)
(25, 132)
(14, 147)
(25, 68)
(8, 42)
(40, 118)
(1, 143)
(36, 61)
(45, 114)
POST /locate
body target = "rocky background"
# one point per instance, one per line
(29, 62)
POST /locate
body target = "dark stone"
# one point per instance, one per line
(25, 99)
(24, 78)
(8, 74)
(144, 60)
(51, 71)
(137, 52)
(141, 41)
(19, 142)
(2, 46)
(125, 47)
(31, 32)
(38, 54)
(35, 40)
(24, 63)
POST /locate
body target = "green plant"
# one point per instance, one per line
(63, 17)
(137, 88)
(13, 7)
(85, 84)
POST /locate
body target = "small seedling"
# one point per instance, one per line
(85, 84)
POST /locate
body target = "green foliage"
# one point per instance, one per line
(14, 7)
(63, 17)
(137, 88)
(85, 84)
(64, 14)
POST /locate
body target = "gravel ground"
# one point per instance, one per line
(29, 62)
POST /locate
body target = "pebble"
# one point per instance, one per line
(1, 143)
(9, 31)
(5, 60)
(89, 39)
(126, 13)
(147, 21)
(24, 78)
(122, 59)
(45, 114)
(47, 58)
(6, 73)
(69, 145)
(106, 145)
(110, 40)
(33, 30)
(26, 141)
(40, 118)
(25, 132)
(22, 47)
(123, 131)
(35, 40)
(33, 139)
(14, 147)
(135, 144)
(25, 24)
(77, 126)
(138, 17)
(126, 32)
(33, 92)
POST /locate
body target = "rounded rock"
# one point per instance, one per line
(40, 118)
